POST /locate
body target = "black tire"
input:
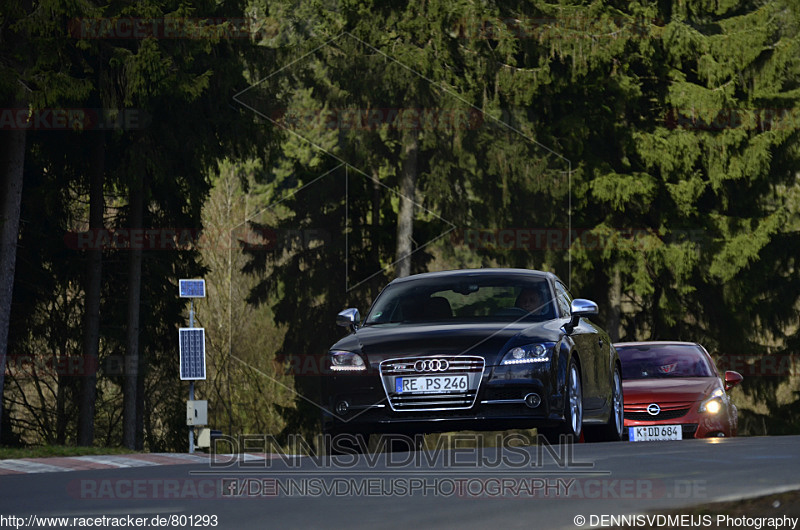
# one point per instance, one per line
(571, 430)
(613, 429)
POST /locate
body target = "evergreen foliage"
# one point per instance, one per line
(664, 135)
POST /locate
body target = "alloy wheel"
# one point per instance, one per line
(575, 400)
(619, 412)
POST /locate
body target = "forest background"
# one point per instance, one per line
(298, 155)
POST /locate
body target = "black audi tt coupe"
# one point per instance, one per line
(482, 349)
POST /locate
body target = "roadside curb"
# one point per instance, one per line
(55, 464)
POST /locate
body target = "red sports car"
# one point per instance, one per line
(672, 391)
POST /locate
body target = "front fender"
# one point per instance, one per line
(563, 352)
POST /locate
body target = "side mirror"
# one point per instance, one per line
(580, 308)
(732, 379)
(349, 318)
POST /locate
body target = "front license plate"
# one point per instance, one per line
(431, 384)
(655, 433)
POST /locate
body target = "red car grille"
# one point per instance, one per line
(663, 415)
(669, 411)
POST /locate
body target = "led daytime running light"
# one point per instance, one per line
(530, 353)
(345, 361)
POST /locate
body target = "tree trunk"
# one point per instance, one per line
(375, 251)
(12, 161)
(61, 403)
(655, 315)
(614, 305)
(405, 217)
(130, 384)
(91, 330)
(59, 330)
(140, 402)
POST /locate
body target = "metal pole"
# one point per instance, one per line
(191, 383)
(191, 428)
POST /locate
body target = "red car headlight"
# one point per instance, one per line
(713, 404)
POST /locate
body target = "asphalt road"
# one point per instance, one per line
(516, 487)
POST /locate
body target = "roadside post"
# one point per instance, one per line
(192, 348)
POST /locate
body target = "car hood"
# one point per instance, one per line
(673, 389)
(488, 340)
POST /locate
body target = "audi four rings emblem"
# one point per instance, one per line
(653, 409)
(432, 365)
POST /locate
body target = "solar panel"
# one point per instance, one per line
(192, 288)
(192, 353)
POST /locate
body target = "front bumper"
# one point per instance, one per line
(694, 424)
(366, 402)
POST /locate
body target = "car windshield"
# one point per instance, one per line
(474, 298)
(660, 361)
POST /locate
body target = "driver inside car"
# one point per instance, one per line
(531, 300)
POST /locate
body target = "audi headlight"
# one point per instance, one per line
(713, 403)
(346, 361)
(530, 353)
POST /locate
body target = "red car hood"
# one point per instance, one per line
(668, 390)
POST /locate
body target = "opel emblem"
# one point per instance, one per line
(653, 409)
(431, 365)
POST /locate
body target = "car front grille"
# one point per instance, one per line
(669, 411)
(663, 415)
(470, 366)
